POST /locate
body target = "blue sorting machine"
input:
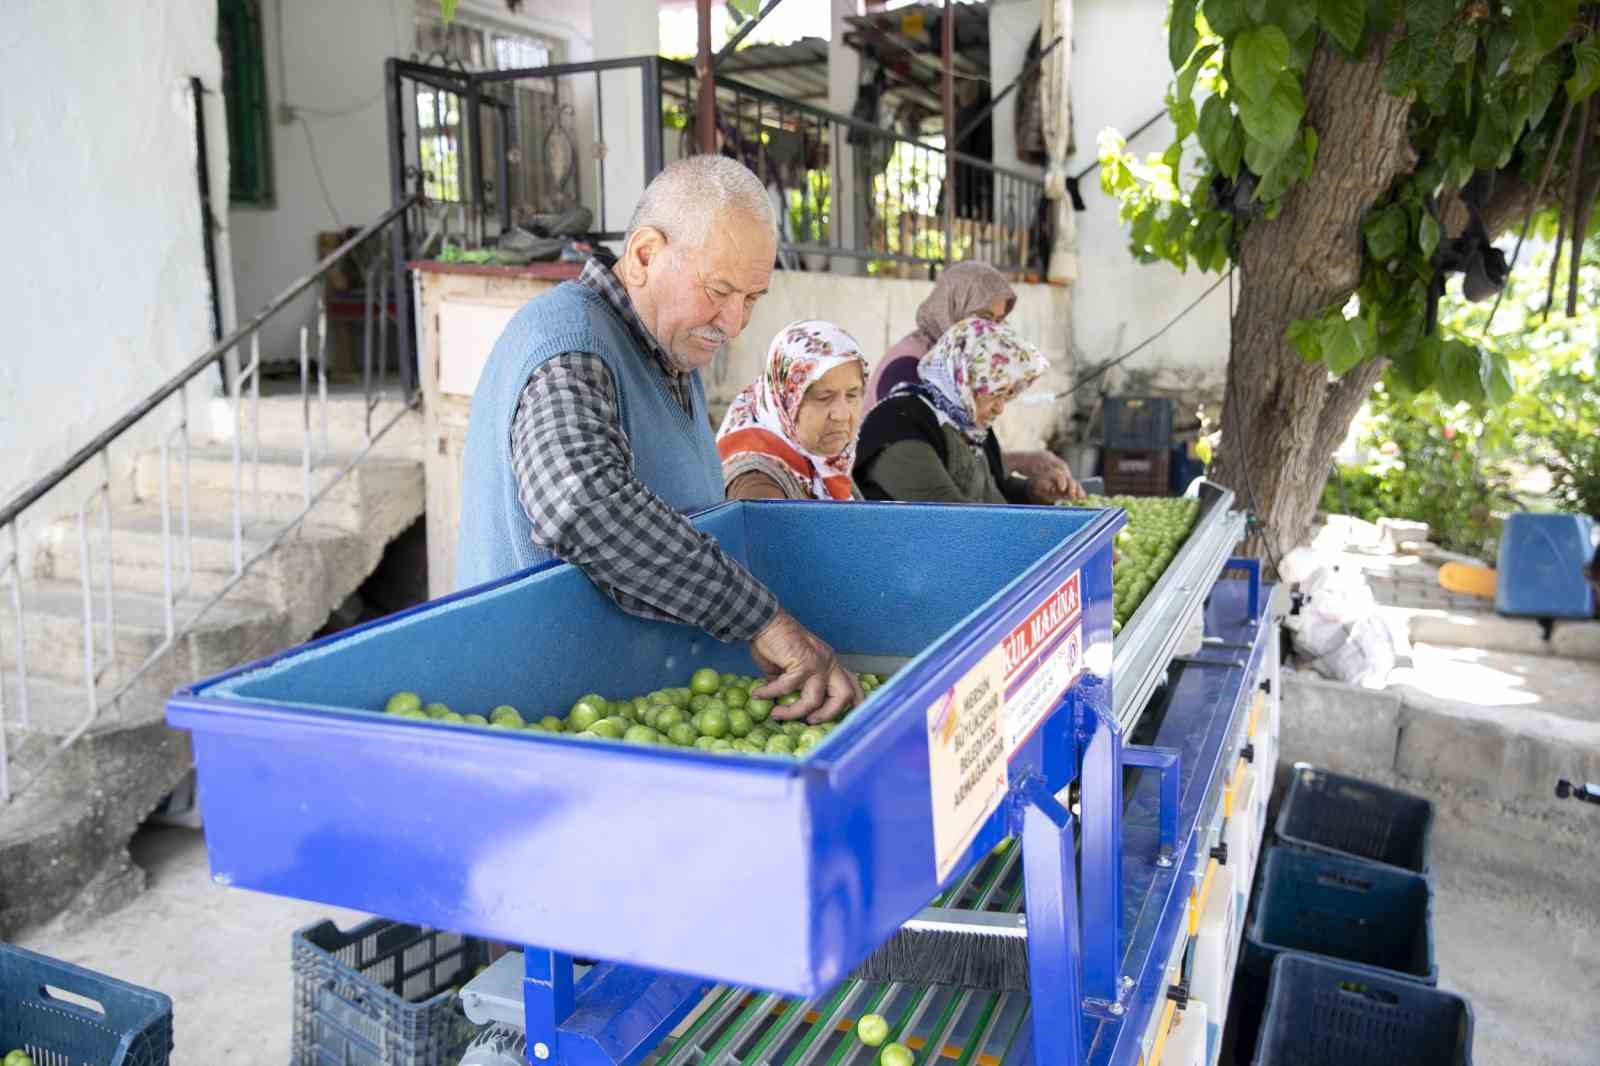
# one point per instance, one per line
(732, 896)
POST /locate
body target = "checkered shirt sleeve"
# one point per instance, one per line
(575, 477)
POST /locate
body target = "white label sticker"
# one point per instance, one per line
(966, 759)
(1043, 658)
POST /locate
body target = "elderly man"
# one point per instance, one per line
(589, 437)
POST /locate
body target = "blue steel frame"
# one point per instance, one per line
(1083, 973)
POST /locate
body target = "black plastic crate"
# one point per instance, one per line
(1329, 812)
(1320, 1013)
(381, 994)
(64, 1014)
(1349, 910)
(1140, 422)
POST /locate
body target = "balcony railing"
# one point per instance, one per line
(487, 151)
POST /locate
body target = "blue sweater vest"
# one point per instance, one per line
(674, 451)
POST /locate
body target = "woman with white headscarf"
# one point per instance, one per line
(791, 435)
(932, 439)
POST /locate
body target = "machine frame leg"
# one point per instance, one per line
(1054, 942)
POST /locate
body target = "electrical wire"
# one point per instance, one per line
(1157, 335)
(316, 166)
(1151, 121)
(1244, 464)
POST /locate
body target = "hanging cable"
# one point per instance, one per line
(1157, 335)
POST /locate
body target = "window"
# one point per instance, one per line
(244, 93)
(439, 114)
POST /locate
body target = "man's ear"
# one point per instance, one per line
(643, 248)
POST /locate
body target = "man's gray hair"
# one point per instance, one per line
(687, 196)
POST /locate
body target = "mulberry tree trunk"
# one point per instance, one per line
(1283, 417)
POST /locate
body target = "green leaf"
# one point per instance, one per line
(1184, 120)
(1219, 136)
(1306, 336)
(1517, 112)
(1311, 141)
(1498, 384)
(1182, 35)
(1291, 16)
(1344, 20)
(447, 10)
(1498, 45)
(1428, 234)
(747, 8)
(1386, 231)
(1191, 70)
(1586, 77)
(1491, 142)
(1258, 60)
(1225, 17)
(1275, 119)
(1424, 17)
(1400, 67)
(1458, 377)
(1545, 22)
(1416, 366)
(1346, 343)
(1546, 80)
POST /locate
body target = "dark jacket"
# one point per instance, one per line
(908, 418)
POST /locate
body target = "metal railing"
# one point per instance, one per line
(104, 684)
(487, 151)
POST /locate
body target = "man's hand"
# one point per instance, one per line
(796, 660)
(1049, 477)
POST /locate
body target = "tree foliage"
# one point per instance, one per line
(1459, 466)
(1491, 85)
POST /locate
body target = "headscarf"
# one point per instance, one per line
(975, 357)
(962, 291)
(762, 417)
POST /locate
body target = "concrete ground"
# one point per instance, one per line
(1516, 921)
(221, 954)
(1517, 929)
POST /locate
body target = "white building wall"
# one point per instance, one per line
(104, 280)
(1120, 76)
(1012, 24)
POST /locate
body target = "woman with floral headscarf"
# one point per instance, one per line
(792, 434)
(931, 439)
(964, 290)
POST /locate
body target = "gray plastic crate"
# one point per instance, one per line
(381, 994)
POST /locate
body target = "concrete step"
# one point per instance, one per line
(282, 423)
(58, 708)
(355, 502)
(280, 578)
(1495, 725)
(231, 632)
(1489, 631)
(63, 841)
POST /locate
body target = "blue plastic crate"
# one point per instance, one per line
(1329, 812)
(1359, 913)
(1138, 422)
(1540, 573)
(1320, 1013)
(105, 1022)
(381, 994)
(777, 873)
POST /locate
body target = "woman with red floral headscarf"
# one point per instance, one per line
(792, 434)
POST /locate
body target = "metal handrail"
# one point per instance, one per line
(100, 660)
(199, 365)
